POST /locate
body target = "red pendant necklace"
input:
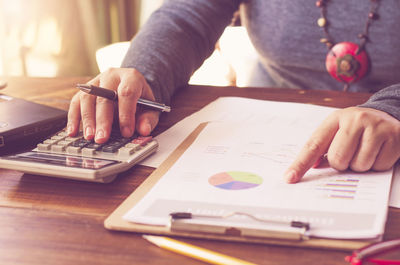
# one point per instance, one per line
(347, 62)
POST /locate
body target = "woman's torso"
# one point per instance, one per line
(286, 36)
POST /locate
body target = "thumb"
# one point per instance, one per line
(146, 122)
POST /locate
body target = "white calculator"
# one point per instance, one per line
(76, 158)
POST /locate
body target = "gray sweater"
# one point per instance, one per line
(180, 35)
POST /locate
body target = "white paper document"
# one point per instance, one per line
(239, 167)
(395, 191)
(230, 109)
(238, 109)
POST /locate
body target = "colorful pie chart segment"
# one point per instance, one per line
(235, 180)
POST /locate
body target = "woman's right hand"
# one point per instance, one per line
(97, 113)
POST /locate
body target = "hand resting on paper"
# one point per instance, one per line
(357, 138)
(97, 113)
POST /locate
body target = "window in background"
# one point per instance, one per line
(60, 38)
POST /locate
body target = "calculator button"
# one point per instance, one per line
(57, 148)
(113, 145)
(132, 145)
(119, 142)
(125, 151)
(81, 143)
(142, 140)
(62, 133)
(43, 147)
(57, 137)
(88, 152)
(109, 143)
(110, 149)
(49, 141)
(71, 139)
(64, 143)
(72, 150)
(94, 146)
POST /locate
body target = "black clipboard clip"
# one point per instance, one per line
(265, 228)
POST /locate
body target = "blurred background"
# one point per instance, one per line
(61, 37)
(56, 38)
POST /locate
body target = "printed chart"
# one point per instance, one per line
(347, 188)
(340, 188)
(235, 180)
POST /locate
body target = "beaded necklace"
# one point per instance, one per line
(347, 62)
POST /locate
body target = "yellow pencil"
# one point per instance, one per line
(195, 252)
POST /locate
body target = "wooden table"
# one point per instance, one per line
(46, 220)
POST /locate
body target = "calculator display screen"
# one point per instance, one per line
(62, 160)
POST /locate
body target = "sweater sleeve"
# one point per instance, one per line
(175, 41)
(387, 100)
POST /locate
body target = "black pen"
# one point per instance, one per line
(112, 95)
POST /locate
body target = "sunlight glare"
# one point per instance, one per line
(48, 37)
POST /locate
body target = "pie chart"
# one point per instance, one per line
(235, 180)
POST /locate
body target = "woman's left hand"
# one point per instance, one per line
(357, 138)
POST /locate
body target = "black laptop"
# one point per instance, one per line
(23, 124)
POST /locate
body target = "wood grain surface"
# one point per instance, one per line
(46, 220)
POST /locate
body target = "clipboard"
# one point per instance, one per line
(116, 222)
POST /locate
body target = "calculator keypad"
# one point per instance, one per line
(117, 147)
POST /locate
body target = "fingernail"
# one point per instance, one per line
(147, 127)
(99, 134)
(89, 131)
(126, 131)
(291, 176)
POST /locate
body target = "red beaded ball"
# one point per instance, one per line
(344, 63)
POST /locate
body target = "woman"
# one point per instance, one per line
(327, 44)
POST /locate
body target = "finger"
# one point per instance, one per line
(367, 151)
(315, 147)
(105, 109)
(344, 145)
(74, 113)
(321, 162)
(129, 91)
(387, 156)
(88, 110)
(74, 116)
(147, 121)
